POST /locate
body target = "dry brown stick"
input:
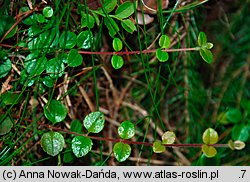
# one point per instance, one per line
(86, 98)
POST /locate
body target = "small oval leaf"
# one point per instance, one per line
(239, 145)
(76, 126)
(5, 125)
(206, 55)
(117, 44)
(87, 20)
(209, 151)
(158, 147)
(128, 25)
(94, 122)
(121, 151)
(161, 56)
(168, 137)
(52, 143)
(126, 130)
(74, 59)
(164, 41)
(81, 146)
(117, 61)
(47, 12)
(55, 111)
(124, 10)
(67, 40)
(210, 136)
(85, 39)
(202, 39)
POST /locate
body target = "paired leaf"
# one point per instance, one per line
(117, 44)
(126, 130)
(117, 61)
(94, 122)
(158, 147)
(210, 136)
(202, 39)
(81, 146)
(168, 137)
(238, 145)
(209, 151)
(52, 143)
(112, 26)
(121, 151)
(206, 55)
(55, 111)
(161, 55)
(164, 41)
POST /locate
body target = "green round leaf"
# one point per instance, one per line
(40, 18)
(35, 64)
(234, 115)
(76, 126)
(87, 20)
(164, 41)
(168, 137)
(124, 10)
(55, 111)
(85, 39)
(81, 146)
(48, 81)
(240, 132)
(67, 40)
(210, 136)
(117, 61)
(52, 143)
(94, 122)
(55, 67)
(5, 67)
(126, 130)
(117, 44)
(202, 39)
(6, 22)
(47, 12)
(121, 151)
(161, 56)
(158, 147)
(74, 58)
(5, 125)
(128, 25)
(206, 55)
(209, 151)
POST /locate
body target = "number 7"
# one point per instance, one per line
(244, 171)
